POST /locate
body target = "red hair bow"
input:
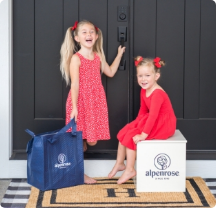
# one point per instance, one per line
(96, 28)
(138, 61)
(156, 62)
(75, 26)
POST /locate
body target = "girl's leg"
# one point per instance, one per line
(119, 165)
(91, 143)
(84, 145)
(129, 172)
(85, 142)
(87, 179)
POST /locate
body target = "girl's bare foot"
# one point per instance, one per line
(116, 168)
(84, 145)
(128, 174)
(89, 180)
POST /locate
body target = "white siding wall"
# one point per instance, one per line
(9, 169)
(17, 169)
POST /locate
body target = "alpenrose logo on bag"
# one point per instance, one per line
(162, 162)
(62, 161)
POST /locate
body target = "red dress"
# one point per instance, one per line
(92, 117)
(155, 118)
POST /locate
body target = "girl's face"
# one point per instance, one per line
(86, 35)
(146, 76)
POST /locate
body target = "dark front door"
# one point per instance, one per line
(39, 91)
(181, 32)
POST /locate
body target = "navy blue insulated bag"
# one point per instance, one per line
(55, 159)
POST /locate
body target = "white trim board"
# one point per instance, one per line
(5, 85)
(101, 168)
(202, 168)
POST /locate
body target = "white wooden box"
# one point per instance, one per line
(161, 165)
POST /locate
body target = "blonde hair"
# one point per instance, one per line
(70, 47)
(149, 62)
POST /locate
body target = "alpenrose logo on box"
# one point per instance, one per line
(62, 159)
(162, 162)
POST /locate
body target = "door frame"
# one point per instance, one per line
(17, 168)
(11, 169)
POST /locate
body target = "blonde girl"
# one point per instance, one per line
(82, 61)
(156, 118)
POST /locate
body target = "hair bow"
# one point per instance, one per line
(96, 28)
(138, 61)
(157, 62)
(75, 26)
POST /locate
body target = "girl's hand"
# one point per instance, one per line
(121, 50)
(111, 70)
(74, 114)
(139, 137)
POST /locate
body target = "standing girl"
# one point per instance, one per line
(82, 58)
(156, 118)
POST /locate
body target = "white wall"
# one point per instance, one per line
(9, 169)
(17, 169)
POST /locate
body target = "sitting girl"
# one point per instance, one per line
(156, 118)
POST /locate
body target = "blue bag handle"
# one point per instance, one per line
(52, 140)
(64, 129)
(29, 145)
(30, 132)
(69, 125)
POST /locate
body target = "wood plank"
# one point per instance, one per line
(23, 70)
(71, 14)
(192, 59)
(117, 86)
(207, 60)
(170, 47)
(48, 40)
(144, 38)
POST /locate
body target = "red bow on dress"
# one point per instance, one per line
(156, 62)
(138, 61)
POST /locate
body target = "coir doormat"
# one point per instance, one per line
(107, 194)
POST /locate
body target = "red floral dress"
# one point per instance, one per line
(156, 118)
(92, 117)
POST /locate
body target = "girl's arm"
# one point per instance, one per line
(74, 75)
(143, 108)
(111, 70)
(156, 102)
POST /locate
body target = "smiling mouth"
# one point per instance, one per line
(89, 41)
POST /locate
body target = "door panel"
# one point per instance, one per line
(48, 39)
(23, 73)
(207, 60)
(192, 55)
(118, 86)
(185, 39)
(170, 46)
(144, 42)
(48, 91)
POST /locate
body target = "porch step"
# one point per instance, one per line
(99, 168)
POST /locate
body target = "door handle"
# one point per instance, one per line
(122, 38)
